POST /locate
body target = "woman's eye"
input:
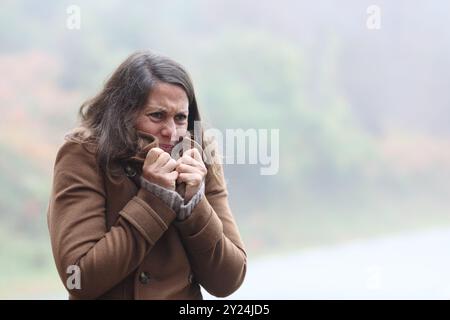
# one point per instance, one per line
(180, 117)
(156, 115)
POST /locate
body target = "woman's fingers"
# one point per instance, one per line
(173, 175)
(185, 168)
(170, 165)
(162, 159)
(189, 178)
(161, 168)
(188, 159)
(191, 166)
(153, 155)
(193, 153)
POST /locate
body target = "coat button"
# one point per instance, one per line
(191, 278)
(130, 171)
(144, 277)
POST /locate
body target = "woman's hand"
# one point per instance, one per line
(192, 171)
(159, 168)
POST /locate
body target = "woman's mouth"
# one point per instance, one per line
(166, 147)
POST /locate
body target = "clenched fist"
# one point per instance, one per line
(159, 168)
(191, 171)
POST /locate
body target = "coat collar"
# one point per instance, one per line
(133, 166)
(148, 141)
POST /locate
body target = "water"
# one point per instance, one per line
(407, 266)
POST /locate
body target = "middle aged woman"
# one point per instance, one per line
(136, 219)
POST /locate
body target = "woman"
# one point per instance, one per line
(136, 215)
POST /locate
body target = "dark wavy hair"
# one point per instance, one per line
(108, 119)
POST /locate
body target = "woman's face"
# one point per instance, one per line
(165, 115)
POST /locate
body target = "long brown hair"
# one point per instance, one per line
(108, 119)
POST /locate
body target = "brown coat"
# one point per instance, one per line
(127, 243)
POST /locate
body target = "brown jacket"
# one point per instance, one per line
(127, 243)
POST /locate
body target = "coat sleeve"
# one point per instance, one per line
(211, 238)
(77, 225)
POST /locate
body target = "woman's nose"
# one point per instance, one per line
(169, 130)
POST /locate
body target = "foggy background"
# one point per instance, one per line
(360, 205)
